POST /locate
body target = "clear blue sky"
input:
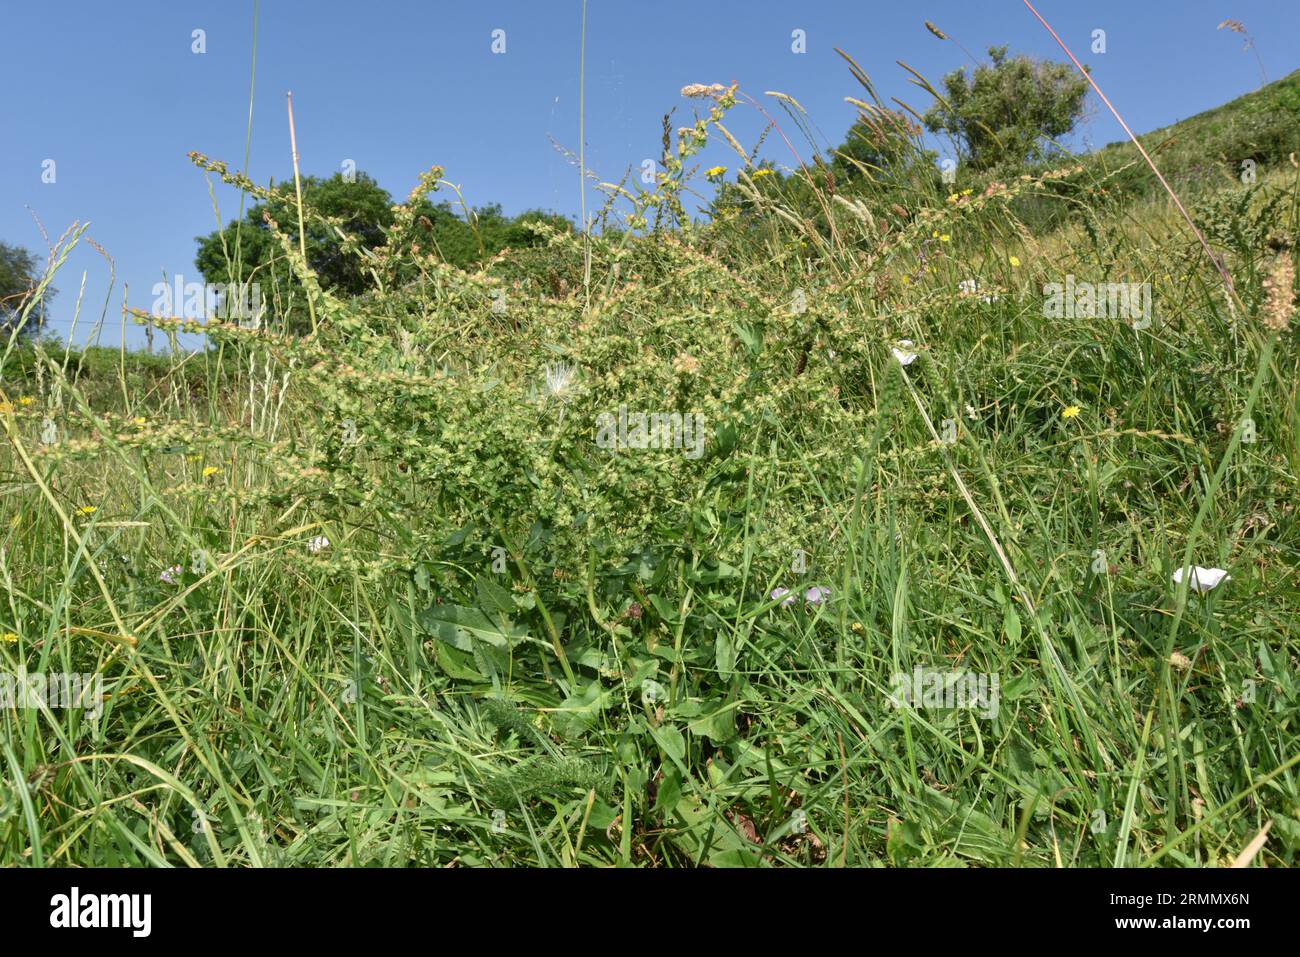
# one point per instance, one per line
(113, 94)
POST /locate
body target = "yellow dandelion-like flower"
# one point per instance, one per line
(954, 197)
(967, 192)
(88, 509)
(761, 172)
(1070, 412)
(944, 238)
(715, 171)
(9, 638)
(211, 470)
(25, 400)
(139, 420)
(1015, 262)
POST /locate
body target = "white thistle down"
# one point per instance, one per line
(318, 544)
(561, 378)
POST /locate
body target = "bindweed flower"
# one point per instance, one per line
(318, 544)
(813, 596)
(784, 595)
(817, 594)
(903, 352)
(1202, 579)
(170, 576)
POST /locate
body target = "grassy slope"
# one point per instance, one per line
(306, 707)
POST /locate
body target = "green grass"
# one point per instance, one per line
(521, 649)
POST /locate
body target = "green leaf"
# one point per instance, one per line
(492, 598)
(672, 743)
(1011, 624)
(460, 627)
(725, 654)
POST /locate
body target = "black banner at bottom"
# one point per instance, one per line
(423, 906)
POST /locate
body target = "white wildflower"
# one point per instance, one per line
(903, 352)
(1202, 579)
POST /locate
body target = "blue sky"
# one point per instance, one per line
(115, 96)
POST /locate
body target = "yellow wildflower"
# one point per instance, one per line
(25, 400)
(9, 637)
(944, 238)
(210, 470)
(1015, 262)
(88, 509)
(762, 172)
(715, 171)
(1070, 412)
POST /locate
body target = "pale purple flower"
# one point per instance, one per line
(817, 594)
(171, 575)
(783, 594)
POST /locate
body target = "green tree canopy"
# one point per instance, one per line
(1001, 113)
(248, 251)
(18, 279)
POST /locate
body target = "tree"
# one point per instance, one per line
(247, 251)
(1002, 112)
(18, 280)
(365, 210)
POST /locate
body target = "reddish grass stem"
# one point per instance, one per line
(1223, 273)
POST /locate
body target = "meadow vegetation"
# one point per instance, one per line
(373, 594)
